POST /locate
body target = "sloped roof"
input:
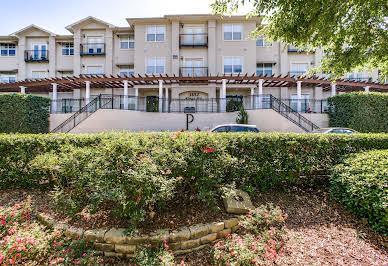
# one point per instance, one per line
(32, 26)
(91, 18)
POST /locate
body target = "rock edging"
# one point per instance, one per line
(114, 243)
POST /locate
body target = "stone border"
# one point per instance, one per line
(114, 243)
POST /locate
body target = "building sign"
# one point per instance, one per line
(193, 95)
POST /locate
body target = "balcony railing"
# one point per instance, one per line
(360, 79)
(193, 71)
(36, 56)
(193, 40)
(296, 73)
(307, 105)
(92, 49)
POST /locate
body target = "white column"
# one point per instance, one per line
(223, 97)
(260, 98)
(87, 93)
(166, 100)
(333, 92)
(54, 98)
(125, 94)
(367, 89)
(252, 98)
(136, 99)
(160, 96)
(299, 95)
(22, 90)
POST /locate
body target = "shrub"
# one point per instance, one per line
(21, 113)
(242, 116)
(25, 242)
(364, 112)
(361, 183)
(260, 243)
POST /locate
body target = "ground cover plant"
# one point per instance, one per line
(23, 241)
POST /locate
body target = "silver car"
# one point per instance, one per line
(235, 128)
(335, 130)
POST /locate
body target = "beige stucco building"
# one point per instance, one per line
(181, 45)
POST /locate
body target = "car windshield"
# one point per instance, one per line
(243, 129)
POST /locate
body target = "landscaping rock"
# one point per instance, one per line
(159, 236)
(96, 235)
(231, 222)
(104, 247)
(208, 238)
(114, 254)
(239, 203)
(181, 235)
(235, 228)
(74, 232)
(45, 220)
(137, 240)
(198, 231)
(174, 246)
(190, 244)
(185, 251)
(216, 227)
(223, 233)
(125, 249)
(115, 236)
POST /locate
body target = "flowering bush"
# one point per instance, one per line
(23, 241)
(260, 242)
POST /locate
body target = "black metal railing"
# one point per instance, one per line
(193, 40)
(307, 105)
(65, 106)
(368, 79)
(293, 116)
(193, 71)
(36, 55)
(79, 116)
(296, 73)
(92, 49)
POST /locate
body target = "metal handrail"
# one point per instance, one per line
(186, 71)
(286, 111)
(204, 39)
(36, 55)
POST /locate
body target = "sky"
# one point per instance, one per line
(55, 15)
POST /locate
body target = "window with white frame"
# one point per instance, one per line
(7, 49)
(127, 42)
(264, 69)
(67, 74)
(7, 78)
(262, 42)
(68, 48)
(155, 65)
(299, 68)
(95, 70)
(233, 64)
(126, 71)
(156, 33)
(232, 32)
(39, 74)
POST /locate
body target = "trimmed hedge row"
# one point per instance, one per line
(21, 113)
(364, 112)
(361, 183)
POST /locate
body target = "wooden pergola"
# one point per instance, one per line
(67, 84)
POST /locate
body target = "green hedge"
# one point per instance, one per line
(364, 112)
(361, 183)
(134, 172)
(21, 113)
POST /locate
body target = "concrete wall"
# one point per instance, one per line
(56, 119)
(119, 120)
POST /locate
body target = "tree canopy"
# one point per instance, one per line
(352, 33)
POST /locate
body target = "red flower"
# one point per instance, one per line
(206, 149)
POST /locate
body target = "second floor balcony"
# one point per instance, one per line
(296, 73)
(193, 71)
(193, 40)
(36, 56)
(92, 49)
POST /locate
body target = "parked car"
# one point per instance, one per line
(235, 128)
(335, 130)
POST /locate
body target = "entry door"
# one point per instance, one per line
(39, 51)
(194, 36)
(95, 45)
(194, 67)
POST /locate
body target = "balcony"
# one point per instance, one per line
(36, 56)
(293, 49)
(360, 79)
(193, 40)
(92, 49)
(296, 73)
(193, 71)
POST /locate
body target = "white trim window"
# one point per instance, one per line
(298, 69)
(262, 42)
(95, 70)
(125, 71)
(7, 78)
(8, 49)
(156, 33)
(233, 32)
(232, 64)
(127, 42)
(67, 74)
(68, 48)
(155, 65)
(39, 74)
(264, 69)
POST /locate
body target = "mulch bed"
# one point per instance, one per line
(321, 231)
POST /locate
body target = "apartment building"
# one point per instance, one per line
(180, 45)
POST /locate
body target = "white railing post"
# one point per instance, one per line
(136, 99)
(160, 96)
(367, 89)
(299, 95)
(333, 89)
(166, 100)
(54, 98)
(125, 94)
(260, 104)
(22, 90)
(87, 92)
(252, 98)
(223, 97)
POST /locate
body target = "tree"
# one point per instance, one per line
(352, 33)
